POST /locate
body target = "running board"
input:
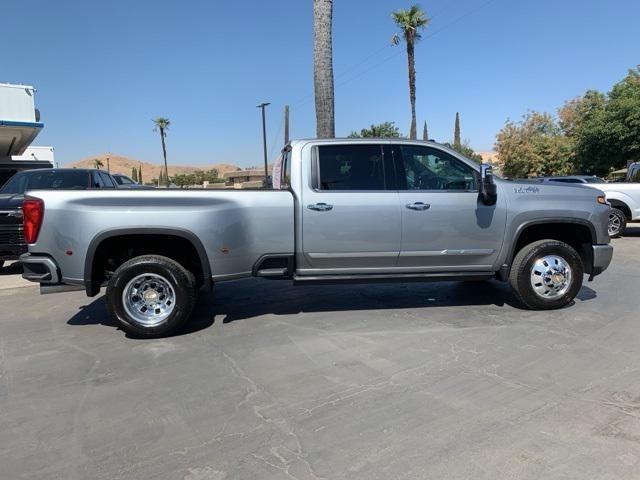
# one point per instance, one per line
(392, 277)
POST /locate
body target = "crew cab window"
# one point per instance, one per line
(46, 180)
(97, 181)
(427, 168)
(351, 167)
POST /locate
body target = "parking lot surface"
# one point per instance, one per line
(270, 381)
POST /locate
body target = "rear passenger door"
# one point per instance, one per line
(350, 210)
(444, 225)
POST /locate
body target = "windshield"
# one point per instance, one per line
(46, 180)
(122, 180)
(595, 180)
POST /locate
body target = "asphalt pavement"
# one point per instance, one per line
(270, 381)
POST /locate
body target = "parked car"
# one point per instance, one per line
(624, 197)
(633, 172)
(12, 243)
(340, 211)
(122, 181)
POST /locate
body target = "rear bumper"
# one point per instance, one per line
(602, 255)
(40, 269)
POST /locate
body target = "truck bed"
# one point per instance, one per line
(235, 227)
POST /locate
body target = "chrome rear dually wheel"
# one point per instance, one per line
(151, 296)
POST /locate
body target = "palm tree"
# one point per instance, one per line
(456, 132)
(162, 125)
(409, 22)
(323, 68)
(97, 163)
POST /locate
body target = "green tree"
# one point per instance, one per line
(140, 179)
(425, 132)
(535, 146)
(382, 130)
(456, 131)
(161, 125)
(410, 22)
(465, 149)
(97, 163)
(606, 133)
(134, 174)
(323, 68)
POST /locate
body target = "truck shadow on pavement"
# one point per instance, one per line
(12, 269)
(252, 298)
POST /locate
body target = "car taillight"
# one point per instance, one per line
(32, 214)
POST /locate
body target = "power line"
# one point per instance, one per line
(305, 99)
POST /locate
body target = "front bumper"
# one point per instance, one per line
(602, 255)
(40, 269)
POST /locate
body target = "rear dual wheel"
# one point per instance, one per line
(546, 274)
(151, 296)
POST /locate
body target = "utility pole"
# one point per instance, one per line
(264, 142)
(108, 165)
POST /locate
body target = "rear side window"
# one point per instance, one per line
(351, 167)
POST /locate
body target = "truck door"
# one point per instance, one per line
(444, 225)
(350, 211)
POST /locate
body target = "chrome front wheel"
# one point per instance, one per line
(149, 299)
(551, 276)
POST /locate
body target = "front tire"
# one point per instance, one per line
(546, 274)
(617, 223)
(151, 296)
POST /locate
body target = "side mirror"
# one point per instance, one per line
(488, 189)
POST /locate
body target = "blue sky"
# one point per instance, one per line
(103, 70)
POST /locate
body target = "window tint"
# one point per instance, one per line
(351, 167)
(46, 180)
(635, 175)
(106, 180)
(427, 168)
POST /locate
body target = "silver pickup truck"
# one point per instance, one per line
(339, 211)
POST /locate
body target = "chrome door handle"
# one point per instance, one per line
(320, 207)
(418, 206)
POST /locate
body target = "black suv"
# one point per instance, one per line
(12, 243)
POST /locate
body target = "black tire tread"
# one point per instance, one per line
(524, 293)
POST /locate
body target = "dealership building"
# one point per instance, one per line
(19, 126)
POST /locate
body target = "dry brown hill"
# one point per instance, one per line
(124, 165)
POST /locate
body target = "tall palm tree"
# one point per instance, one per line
(323, 68)
(97, 163)
(162, 125)
(410, 22)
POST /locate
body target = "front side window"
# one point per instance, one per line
(351, 167)
(427, 168)
(106, 180)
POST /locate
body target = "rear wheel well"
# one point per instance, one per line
(623, 207)
(576, 235)
(113, 251)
